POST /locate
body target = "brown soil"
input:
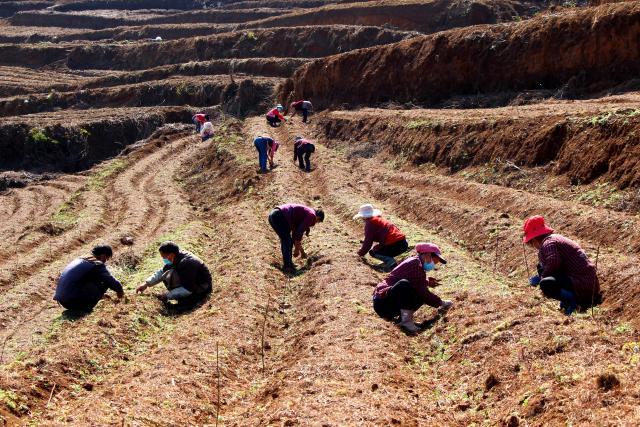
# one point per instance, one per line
(309, 42)
(426, 16)
(74, 140)
(462, 178)
(109, 18)
(209, 90)
(585, 49)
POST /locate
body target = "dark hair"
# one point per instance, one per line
(169, 248)
(206, 116)
(320, 214)
(102, 250)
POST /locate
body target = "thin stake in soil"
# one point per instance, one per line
(4, 344)
(50, 395)
(264, 325)
(593, 291)
(218, 375)
(495, 261)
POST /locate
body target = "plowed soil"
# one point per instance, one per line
(97, 134)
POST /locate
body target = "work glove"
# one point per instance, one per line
(534, 280)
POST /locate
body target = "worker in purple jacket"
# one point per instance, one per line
(290, 222)
(406, 289)
(84, 282)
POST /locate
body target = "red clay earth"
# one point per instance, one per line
(463, 178)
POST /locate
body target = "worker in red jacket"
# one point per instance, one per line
(274, 116)
(565, 273)
(391, 242)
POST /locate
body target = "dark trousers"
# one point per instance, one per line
(273, 121)
(552, 286)
(280, 225)
(391, 250)
(82, 305)
(305, 114)
(401, 296)
(303, 153)
(198, 125)
(261, 146)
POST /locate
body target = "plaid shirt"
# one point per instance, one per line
(559, 255)
(410, 269)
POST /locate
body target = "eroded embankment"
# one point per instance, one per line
(8, 8)
(426, 16)
(240, 98)
(311, 42)
(42, 143)
(587, 49)
(584, 145)
(90, 20)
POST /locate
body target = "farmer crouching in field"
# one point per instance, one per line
(274, 116)
(302, 150)
(186, 277)
(304, 107)
(564, 271)
(290, 222)
(391, 242)
(207, 131)
(200, 119)
(85, 281)
(406, 288)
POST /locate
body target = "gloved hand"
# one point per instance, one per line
(534, 280)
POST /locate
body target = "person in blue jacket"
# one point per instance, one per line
(85, 281)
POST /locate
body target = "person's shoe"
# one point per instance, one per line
(289, 269)
(446, 304)
(406, 322)
(568, 302)
(390, 266)
(162, 297)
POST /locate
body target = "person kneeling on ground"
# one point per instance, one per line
(565, 273)
(274, 116)
(305, 107)
(85, 281)
(302, 150)
(207, 131)
(199, 119)
(391, 241)
(186, 277)
(290, 222)
(266, 148)
(406, 288)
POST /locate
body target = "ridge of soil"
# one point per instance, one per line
(588, 49)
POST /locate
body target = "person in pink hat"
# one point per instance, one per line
(406, 289)
(565, 273)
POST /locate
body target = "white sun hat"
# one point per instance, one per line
(367, 211)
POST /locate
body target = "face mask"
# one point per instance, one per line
(428, 266)
(166, 261)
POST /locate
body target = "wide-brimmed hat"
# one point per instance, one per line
(279, 107)
(535, 227)
(430, 248)
(367, 211)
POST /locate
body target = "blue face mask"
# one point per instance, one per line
(428, 266)
(166, 261)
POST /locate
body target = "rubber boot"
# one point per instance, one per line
(406, 321)
(568, 301)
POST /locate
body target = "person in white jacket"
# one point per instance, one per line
(207, 131)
